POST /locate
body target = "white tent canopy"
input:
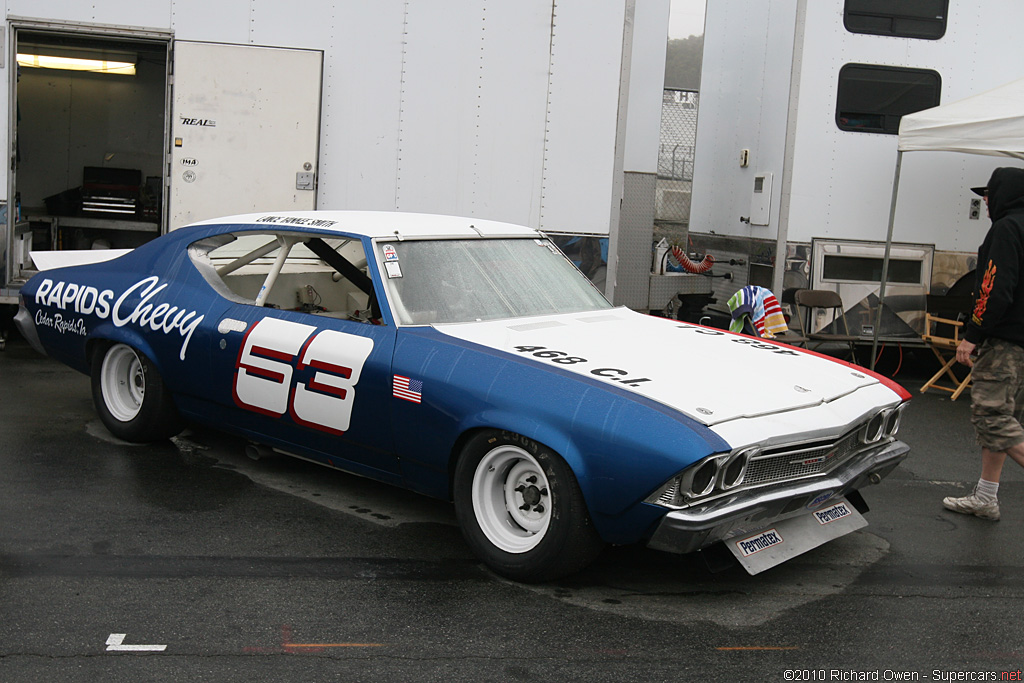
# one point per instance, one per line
(990, 123)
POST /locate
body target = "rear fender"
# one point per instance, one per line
(106, 335)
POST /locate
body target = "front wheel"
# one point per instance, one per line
(131, 398)
(521, 510)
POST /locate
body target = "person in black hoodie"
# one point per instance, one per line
(995, 333)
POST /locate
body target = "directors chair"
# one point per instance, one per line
(944, 348)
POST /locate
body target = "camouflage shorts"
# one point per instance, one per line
(996, 380)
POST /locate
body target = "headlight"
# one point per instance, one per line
(875, 428)
(731, 474)
(883, 424)
(893, 420)
(703, 478)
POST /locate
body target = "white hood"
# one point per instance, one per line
(710, 375)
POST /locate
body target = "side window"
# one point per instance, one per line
(873, 99)
(904, 18)
(317, 274)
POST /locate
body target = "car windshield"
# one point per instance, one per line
(453, 281)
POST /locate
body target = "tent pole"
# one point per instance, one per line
(885, 259)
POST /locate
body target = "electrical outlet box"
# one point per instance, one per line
(305, 180)
(761, 199)
(975, 212)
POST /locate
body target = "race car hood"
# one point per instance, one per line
(709, 375)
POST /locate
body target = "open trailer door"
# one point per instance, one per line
(245, 129)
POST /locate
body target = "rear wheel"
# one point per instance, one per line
(130, 396)
(521, 509)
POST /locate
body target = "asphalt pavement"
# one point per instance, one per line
(185, 560)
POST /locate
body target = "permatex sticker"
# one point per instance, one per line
(832, 513)
(762, 541)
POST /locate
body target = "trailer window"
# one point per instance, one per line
(869, 269)
(904, 18)
(873, 99)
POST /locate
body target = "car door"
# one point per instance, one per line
(313, 379)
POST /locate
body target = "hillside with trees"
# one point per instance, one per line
(682, 62)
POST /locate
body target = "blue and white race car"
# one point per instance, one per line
(469, 360)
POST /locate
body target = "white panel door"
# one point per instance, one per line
(245, 130)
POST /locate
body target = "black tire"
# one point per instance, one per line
(545, 532)
(130, 396)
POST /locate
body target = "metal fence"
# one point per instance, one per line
(675, 155)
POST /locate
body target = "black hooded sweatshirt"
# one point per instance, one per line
(999, 282)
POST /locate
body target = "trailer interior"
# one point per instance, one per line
(90, 136)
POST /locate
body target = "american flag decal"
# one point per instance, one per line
(407, 389)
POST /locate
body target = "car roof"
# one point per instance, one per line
(379, 224)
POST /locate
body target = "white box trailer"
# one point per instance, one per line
(538, 112)
(796, 145)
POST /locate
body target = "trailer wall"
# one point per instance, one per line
(769, 85)
(842, 181)
(503, 110)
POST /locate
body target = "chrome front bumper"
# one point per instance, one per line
(696, 527)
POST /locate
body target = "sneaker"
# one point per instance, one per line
(972, 505)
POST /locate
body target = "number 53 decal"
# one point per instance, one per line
(266, 366)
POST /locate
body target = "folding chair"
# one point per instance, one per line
(830, 304)
(791, 336)
(943, 347)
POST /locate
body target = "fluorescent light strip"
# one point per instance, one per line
(74, 64)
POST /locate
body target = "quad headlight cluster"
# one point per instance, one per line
(884, 424)
(723, 472)
(714, 474)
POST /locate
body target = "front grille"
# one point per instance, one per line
(806, 461)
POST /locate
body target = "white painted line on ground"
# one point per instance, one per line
(114, 644)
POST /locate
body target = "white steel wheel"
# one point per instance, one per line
(123, 383)
(130, 395)
(512, 499)
(521, 509)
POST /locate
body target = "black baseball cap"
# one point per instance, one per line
(980, 191)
